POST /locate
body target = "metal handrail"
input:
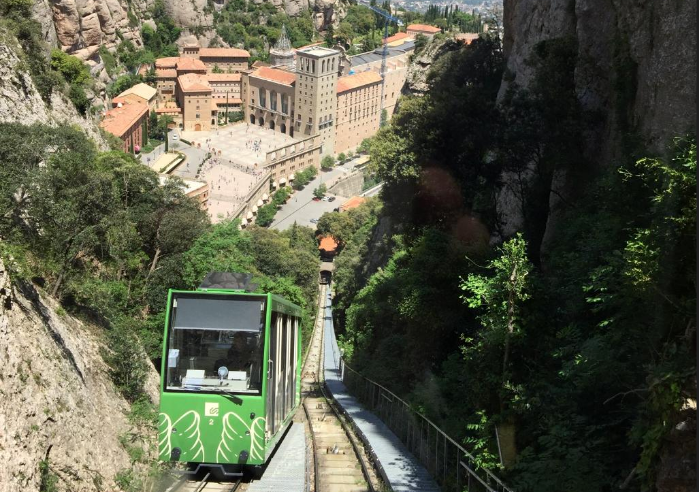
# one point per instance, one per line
(491, 482)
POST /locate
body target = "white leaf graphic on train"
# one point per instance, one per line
(226, 451)
(189, 428)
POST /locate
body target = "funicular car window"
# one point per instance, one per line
(215, 344)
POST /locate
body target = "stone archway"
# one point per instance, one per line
(283, 128)
(262, 122)
(252, 119)
(271, 125)
(197, 127)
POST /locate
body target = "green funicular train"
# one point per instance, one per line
(231, 375)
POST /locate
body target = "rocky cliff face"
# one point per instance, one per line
(79, 27)
(58, 404)
(651, 42)
(20, 101)
(636, 69)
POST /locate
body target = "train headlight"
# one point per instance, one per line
(222, 372)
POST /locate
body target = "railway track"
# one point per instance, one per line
(206, 484)
(339, 461)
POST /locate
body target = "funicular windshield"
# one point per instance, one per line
(215, 344)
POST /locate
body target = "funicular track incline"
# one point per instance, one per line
(339, 463)
(206, 484)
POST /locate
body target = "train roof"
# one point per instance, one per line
(278, 302)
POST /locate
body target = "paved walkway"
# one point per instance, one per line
(287, 470)
(398, 466)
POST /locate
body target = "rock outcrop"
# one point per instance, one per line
(653, 42)
(79, 27)
(58, 403)
(20, 100)
(416, 79)
(636, 70)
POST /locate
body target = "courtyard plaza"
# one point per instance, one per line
(238, 155)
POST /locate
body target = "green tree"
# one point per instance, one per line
(265, 215)
(341, 157)
(320, 191)
(224, 248)
(327, 163)
(72, 69)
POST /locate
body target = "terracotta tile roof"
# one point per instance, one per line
(400, 36)
(223, 53)
(190, 64)
(193, 82)
(168, 110)
(169, 62)
(223, 77)
(166, 73)
(328, 243)
(118, 120)
(260, 63)
(275, 75)
(141, 90)
(349, 82)
(424, 28)
(353, 202)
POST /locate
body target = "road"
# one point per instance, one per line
(301, 208)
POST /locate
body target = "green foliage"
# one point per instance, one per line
(128, 481)
(320, 191)
(72, 69)
(327, 163)
(49, 480)
(341, 157)
(18, 20)
(281, 196)
(123, 83)
(265, 215)
(79, 99)
(238, 24)
(302, 178)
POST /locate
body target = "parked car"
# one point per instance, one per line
(316, 199)
(314, 221)
(331, 199)
(175, 137)
(325, 199)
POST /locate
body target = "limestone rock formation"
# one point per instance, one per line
(58, 403)
(79, 27)
(657, 38)
(416, 79)
(189, 13)
(20, 101)
(636, 68)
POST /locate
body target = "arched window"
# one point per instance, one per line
(262, 122)
(252, 119)
(271, 125)
(263, 98)
(323, 66)
(283, 128)
(273, 100)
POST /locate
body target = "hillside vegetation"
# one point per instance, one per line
(98, 232)
(573, 338)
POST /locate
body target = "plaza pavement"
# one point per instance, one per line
(237, 157)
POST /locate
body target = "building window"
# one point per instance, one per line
(263, 98)
(198, 116)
